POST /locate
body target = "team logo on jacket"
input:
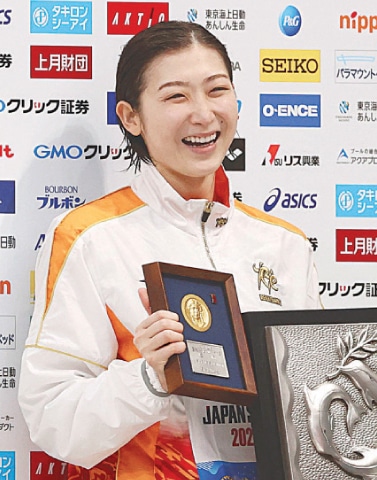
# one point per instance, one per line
(267, 280)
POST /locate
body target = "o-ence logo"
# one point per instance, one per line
(290, 21)
(289, 200)
(284, 110)
(129, 18)
(290, 65)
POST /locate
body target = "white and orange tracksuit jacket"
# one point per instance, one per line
(82, 390)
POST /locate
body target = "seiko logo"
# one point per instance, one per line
(290, 65)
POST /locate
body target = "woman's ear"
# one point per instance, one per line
(129, 117)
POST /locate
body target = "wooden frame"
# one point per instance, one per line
(219, 333)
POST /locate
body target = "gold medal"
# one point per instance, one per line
(196, 312)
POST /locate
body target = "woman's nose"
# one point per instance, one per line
(202, 111)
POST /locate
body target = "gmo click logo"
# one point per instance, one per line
(290, 21)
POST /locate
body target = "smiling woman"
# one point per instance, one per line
(186, 117)
(93, 387)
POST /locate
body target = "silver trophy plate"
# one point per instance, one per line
(323, 379)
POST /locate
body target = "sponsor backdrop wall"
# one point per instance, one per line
(306, 149)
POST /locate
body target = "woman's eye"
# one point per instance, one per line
(219, 89)
(175, 96)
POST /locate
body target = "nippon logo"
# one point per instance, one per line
(359, 23)
(129, 18)
(5, 287)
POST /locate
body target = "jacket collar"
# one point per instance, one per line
(151, 187)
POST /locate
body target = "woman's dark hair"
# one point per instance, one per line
(137, 55)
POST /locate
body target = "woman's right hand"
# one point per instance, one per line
(158, 337)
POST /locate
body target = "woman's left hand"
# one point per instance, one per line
(158, 337)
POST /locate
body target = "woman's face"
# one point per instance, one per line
(188, 114)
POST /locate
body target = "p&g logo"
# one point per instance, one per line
(290, 21)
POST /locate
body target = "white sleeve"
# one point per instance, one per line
(80, 403)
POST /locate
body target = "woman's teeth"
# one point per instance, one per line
(200, 140)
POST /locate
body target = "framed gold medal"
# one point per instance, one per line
(216, 364)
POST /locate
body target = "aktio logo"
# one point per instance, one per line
(361, 23)
(290, 21)
(129, 18)
(285, 110)
(5, 18)
(44, 467)
(289, 200)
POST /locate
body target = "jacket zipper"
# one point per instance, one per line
(206, 213)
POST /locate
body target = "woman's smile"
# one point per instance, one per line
(187, 117)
